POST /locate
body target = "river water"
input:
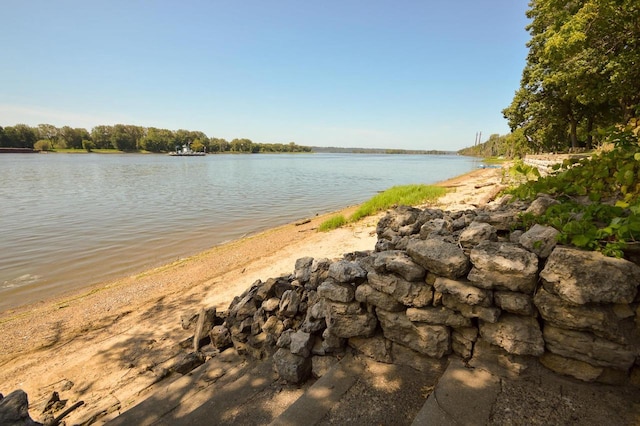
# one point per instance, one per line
(72, 220)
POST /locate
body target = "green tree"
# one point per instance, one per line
(20, 136)
(101, 137)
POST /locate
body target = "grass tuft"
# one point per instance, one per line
(410, 195)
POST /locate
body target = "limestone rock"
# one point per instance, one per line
(471, 311)
(301, 343)
(440, 257)
(347, 272)
(462, 341)
(516, 334)
(220, 337)
(319, 273)
(14, 410)
(331, 342)
(581, 277)
(406, 292)
(514, 302)
(375, 347)
(540, 240)
(503, 266)
(188, 362)
(271, 304)
(598, 319)
(477, 232)
(289, 303)
(465, 292)
(438, 316)
(431, 340)
(435, 227)
(400, 263)
(540, 205)
(290, 367)
(336, 291)
(206, 320)
(302, 271)
(403, 355)
(347, 320)
(588, 348)
(396, 219)
(571, 367)
(367, 294)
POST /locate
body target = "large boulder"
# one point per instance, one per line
(464, 291)
(601, 320)
(503, 266)
(400, 263)
(336, 291)
(581, 277)
(440, 257)
(367, 294)
(290, 367)
(431, 340)
(516, 334)
(344, 271)
(476, 233)
(540, 240)
(408, 293)
(14, 410)
(588, 348)
(345, 320)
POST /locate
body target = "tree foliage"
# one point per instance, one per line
(581, 75)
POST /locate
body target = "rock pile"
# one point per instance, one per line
(448, 282)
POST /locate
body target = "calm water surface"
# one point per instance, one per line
(71, 220)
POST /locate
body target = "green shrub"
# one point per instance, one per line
(332, 223)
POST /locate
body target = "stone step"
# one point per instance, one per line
(462, 396)
(314, 404)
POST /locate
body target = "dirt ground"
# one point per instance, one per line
(106, 344)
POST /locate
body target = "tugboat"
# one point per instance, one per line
(186, 151)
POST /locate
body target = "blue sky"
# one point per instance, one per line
(385, 74)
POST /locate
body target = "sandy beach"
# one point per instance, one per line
(107, 344)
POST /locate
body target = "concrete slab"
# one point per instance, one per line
(462, 396)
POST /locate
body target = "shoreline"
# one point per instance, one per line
(128, 328)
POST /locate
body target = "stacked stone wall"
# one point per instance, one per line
(441, 283)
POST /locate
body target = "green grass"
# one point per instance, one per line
(332, 223)
(409, 195)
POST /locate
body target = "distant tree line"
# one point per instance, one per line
(130, 138)
(341, 150)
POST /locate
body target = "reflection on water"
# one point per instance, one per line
(70, 220)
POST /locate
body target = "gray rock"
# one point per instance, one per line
(582, 277)
(440, 257)
(503, 266)
(571, 367)
(188, 362)
(347, 272)
(245, 307)
(315, 318)
(265, 290)
(349, 320)
(206, 319)
(601, 320)
(220, 337)
(540, 240)
(514, 302)
(431, 340)
(290, 367)
(14, 410)
(471, 311)
(400, 263)
(540, 205)
(271, 304)
(289, 303)
(438, 316)
(331, 342)
(302, 271)
(588, 348)
(367, 294)
(435, 227)
(301, 343)
(320, 365)
(319, 273)
(396, 219)
(477, 232)
(462, 341)
(273, 326)
(408, 293)
(464, 291)
(516, 334)
(338, 292)
(375, 347)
